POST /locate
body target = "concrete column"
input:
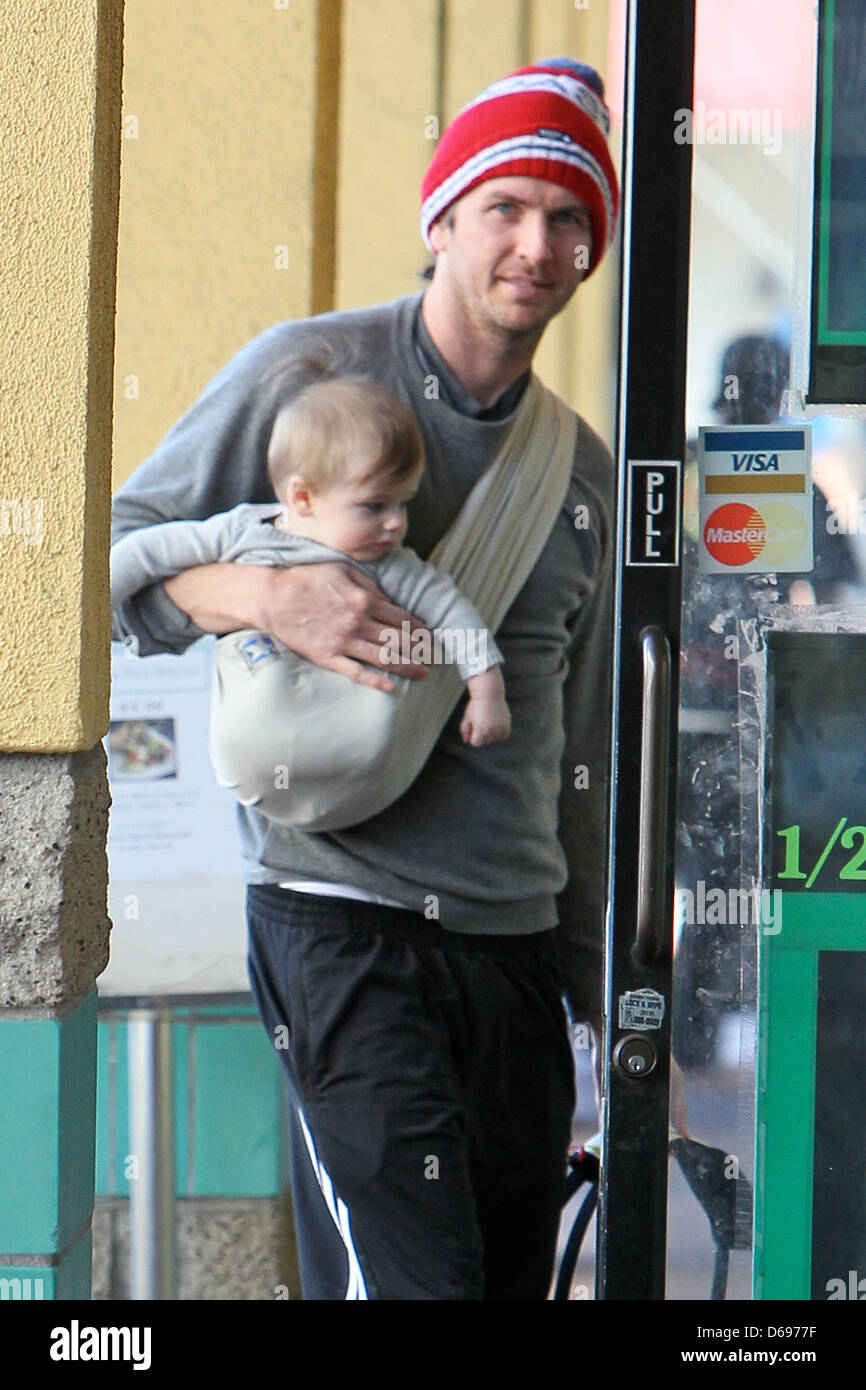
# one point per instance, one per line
(60, 80)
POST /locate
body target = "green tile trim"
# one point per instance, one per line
(788, 994)
(77, 1119)
(229, 1121)
(69, 1279)
(242, 1012)
(112, 1108)
(105, 1105)
(237, 1122)
(74, 1272)
(47, 1128)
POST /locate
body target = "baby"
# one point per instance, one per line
(345, 456)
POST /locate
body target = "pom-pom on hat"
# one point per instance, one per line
(547, 121)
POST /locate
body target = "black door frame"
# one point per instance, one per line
(631, 1249)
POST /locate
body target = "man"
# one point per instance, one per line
(413, 961)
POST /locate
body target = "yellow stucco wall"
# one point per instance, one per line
(389, 91)
(484, 39)
(60, 67)
(219, 194)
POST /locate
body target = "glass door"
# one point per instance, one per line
(737, 922)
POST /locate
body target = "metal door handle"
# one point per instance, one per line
(652, 825)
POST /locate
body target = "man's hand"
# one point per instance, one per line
(331, 614)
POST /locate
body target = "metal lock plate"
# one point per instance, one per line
(635, 1055)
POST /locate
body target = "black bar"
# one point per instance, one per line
(655, 279)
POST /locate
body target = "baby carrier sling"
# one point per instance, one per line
(313, 749)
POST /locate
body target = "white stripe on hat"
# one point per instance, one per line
(558, 84)
(518, 147)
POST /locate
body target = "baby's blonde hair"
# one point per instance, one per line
(321, 432)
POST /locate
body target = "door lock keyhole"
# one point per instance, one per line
(635, 1055)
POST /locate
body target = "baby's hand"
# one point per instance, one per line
(485, 721)
(487, 718)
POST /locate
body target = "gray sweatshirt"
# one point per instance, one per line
(500, 839)
(245, 534)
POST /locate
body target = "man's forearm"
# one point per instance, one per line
(221, 598)
(330, 614)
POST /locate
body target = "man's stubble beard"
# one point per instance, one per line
(485, 315)
(534, 330)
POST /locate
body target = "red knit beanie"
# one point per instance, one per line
(548, 121)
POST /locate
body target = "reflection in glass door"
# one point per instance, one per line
(752, 131)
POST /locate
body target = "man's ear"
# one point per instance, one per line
(439, 233)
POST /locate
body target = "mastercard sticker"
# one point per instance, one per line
(755, 499)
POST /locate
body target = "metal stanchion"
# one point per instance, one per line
(151, 1134)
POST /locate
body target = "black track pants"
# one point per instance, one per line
(431, 1080)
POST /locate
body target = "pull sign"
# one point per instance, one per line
(653, 535)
